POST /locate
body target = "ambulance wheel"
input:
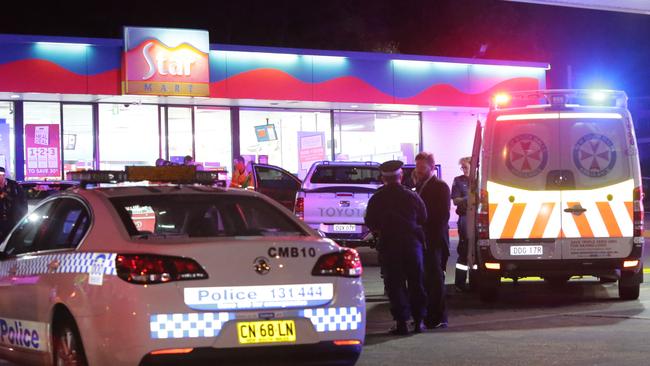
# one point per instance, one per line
(630, 292)
(68, 349)
(488, 286)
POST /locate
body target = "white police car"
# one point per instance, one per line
(130, 275)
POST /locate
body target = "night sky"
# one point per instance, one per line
(604, 49)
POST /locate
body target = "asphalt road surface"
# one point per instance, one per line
(532, 323)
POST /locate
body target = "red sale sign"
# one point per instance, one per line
(43, 151)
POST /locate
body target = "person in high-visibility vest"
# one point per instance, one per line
(459, 194)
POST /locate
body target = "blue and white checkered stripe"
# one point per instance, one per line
(190, 325)
(333, 319)
(68, 263)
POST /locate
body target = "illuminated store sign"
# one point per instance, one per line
(162, 61)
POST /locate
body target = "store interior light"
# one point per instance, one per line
(354, 106)
(14, 96)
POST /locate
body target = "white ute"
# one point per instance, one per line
(334, 198)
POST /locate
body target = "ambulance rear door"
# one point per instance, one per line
(599, 166)
(524, 210)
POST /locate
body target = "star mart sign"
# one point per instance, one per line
(163, 61)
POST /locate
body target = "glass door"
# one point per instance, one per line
(180, 132)
(78, 137)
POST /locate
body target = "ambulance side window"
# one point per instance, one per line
(69, 222)
(30, 230)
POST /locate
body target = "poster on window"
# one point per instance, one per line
(43, 158)
(311, 148)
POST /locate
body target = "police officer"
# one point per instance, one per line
(396, 215)
(13, 204)
(459, 194)
(435, 194)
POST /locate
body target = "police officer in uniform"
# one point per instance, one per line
(396, 215)
(459, 195)
(13, 204)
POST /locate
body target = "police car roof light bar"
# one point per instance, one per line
(561, 98)
(158, 174)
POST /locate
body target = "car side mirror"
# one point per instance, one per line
(321, 233)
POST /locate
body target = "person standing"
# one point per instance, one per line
(436, 197)
(396, 215)
(241, 178)
(13, 204)
(459, 195)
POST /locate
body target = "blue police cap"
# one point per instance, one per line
(391, 167)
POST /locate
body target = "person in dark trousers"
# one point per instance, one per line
(459, 194)
(435, 194)
(13, 204)
(396, 215)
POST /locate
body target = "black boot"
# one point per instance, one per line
(400, 328)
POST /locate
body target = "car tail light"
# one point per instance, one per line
(151, 269)
(299, 208)
(483, 216)
(637, 196)
(345, 263)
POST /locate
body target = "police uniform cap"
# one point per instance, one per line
(391, 167)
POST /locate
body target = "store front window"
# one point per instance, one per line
(212, 137)
(376, 136)
(7, 158)
(128, 135)
(292, 140)
(78, 137)
(42, 138)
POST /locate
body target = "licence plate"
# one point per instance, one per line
(527, 250)
(344, 227)
(269, 331)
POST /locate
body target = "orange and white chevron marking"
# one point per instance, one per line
(522, 214)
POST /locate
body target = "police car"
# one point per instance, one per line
(557, 190)
(139, 274)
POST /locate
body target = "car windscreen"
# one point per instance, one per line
(346, 175)
(202, 216)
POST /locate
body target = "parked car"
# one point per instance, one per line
(147, 273)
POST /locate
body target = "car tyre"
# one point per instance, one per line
(67, 346)
(630, 292)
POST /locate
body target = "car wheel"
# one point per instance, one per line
(630, 292)
(488, 286)
(68, 349)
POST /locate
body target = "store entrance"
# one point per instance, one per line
(179, 126)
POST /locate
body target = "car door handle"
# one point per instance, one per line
(53, 265)
(576, 210)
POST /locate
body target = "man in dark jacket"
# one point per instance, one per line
(396, 215)
(13, 204)
(435, 194)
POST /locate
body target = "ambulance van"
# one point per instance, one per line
(556, 191)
